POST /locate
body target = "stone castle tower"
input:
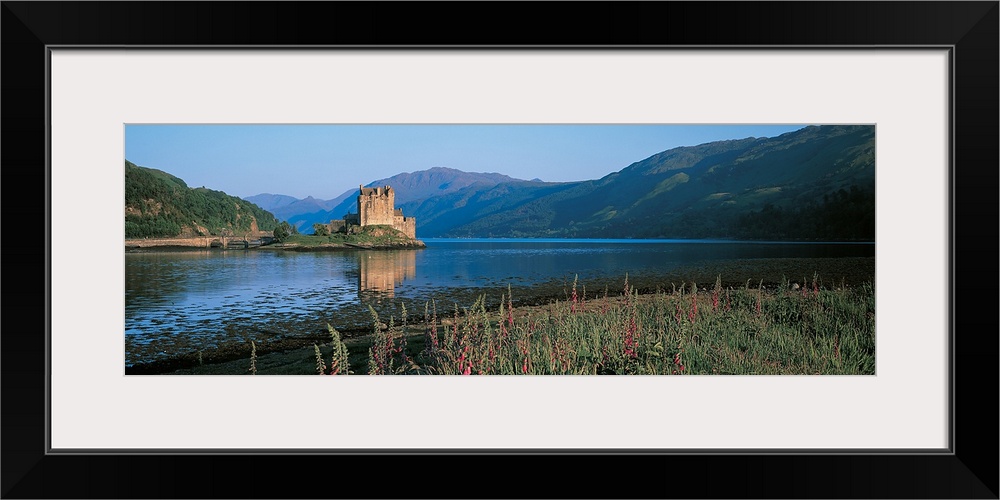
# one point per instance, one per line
(376, 207)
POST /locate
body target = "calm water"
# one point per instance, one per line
(178, 302)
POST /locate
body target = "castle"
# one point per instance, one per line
(376, 206)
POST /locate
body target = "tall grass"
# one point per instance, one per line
(742, 331)
(253, 358)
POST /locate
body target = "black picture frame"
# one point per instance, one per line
(970, 29)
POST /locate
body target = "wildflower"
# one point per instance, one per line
(760, 291)
(373, 363)
(320, 364)
(715, 293)
(572, 308)
(552, 351)
(434, 326)
(693, 312)
(631, 332)
(510, 309)
(339, 357)
(461, 357)
(253, 358)
(627, 292)
(502, 321)
(454, 327)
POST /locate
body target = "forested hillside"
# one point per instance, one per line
(813, 184)
(817, 183)
(160, 205)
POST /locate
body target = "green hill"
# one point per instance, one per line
(160, 205)
(817, 183)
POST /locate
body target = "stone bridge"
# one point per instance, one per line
(193, 242)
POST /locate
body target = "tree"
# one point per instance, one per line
(281, 231)
(321, 229)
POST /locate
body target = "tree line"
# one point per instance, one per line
(159, 205)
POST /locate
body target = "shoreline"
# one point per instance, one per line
(236, 354)
(299, 359)
(278, 247)
(178, 244)
(771, 274)
(323, 247)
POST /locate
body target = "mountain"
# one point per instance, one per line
(293, 210)
(816, 183)
(270, 202)
(158, 204)
(409, 187)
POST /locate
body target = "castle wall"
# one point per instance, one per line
(337, 225)
(406, 225)
(375, 206)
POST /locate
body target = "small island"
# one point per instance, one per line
(372, 237)
(378, 224)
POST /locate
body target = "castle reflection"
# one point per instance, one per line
(381, 271)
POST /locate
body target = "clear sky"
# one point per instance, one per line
(323, 161)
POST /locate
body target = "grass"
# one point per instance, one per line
(747, 330)
(368, 236)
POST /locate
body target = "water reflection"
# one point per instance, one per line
(380, 272)
(179, 302)
(152, 279)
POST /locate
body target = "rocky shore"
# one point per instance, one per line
(771, 274)
(183, 244)
(294, 247)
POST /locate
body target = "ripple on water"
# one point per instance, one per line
(176, 304)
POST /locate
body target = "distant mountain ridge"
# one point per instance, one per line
(816, 183)
(269, 201)
(408, 187)
(288, 207)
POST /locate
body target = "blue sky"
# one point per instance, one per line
(323, 161)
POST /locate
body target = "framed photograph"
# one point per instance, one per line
(749, 251)
(913, 84)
